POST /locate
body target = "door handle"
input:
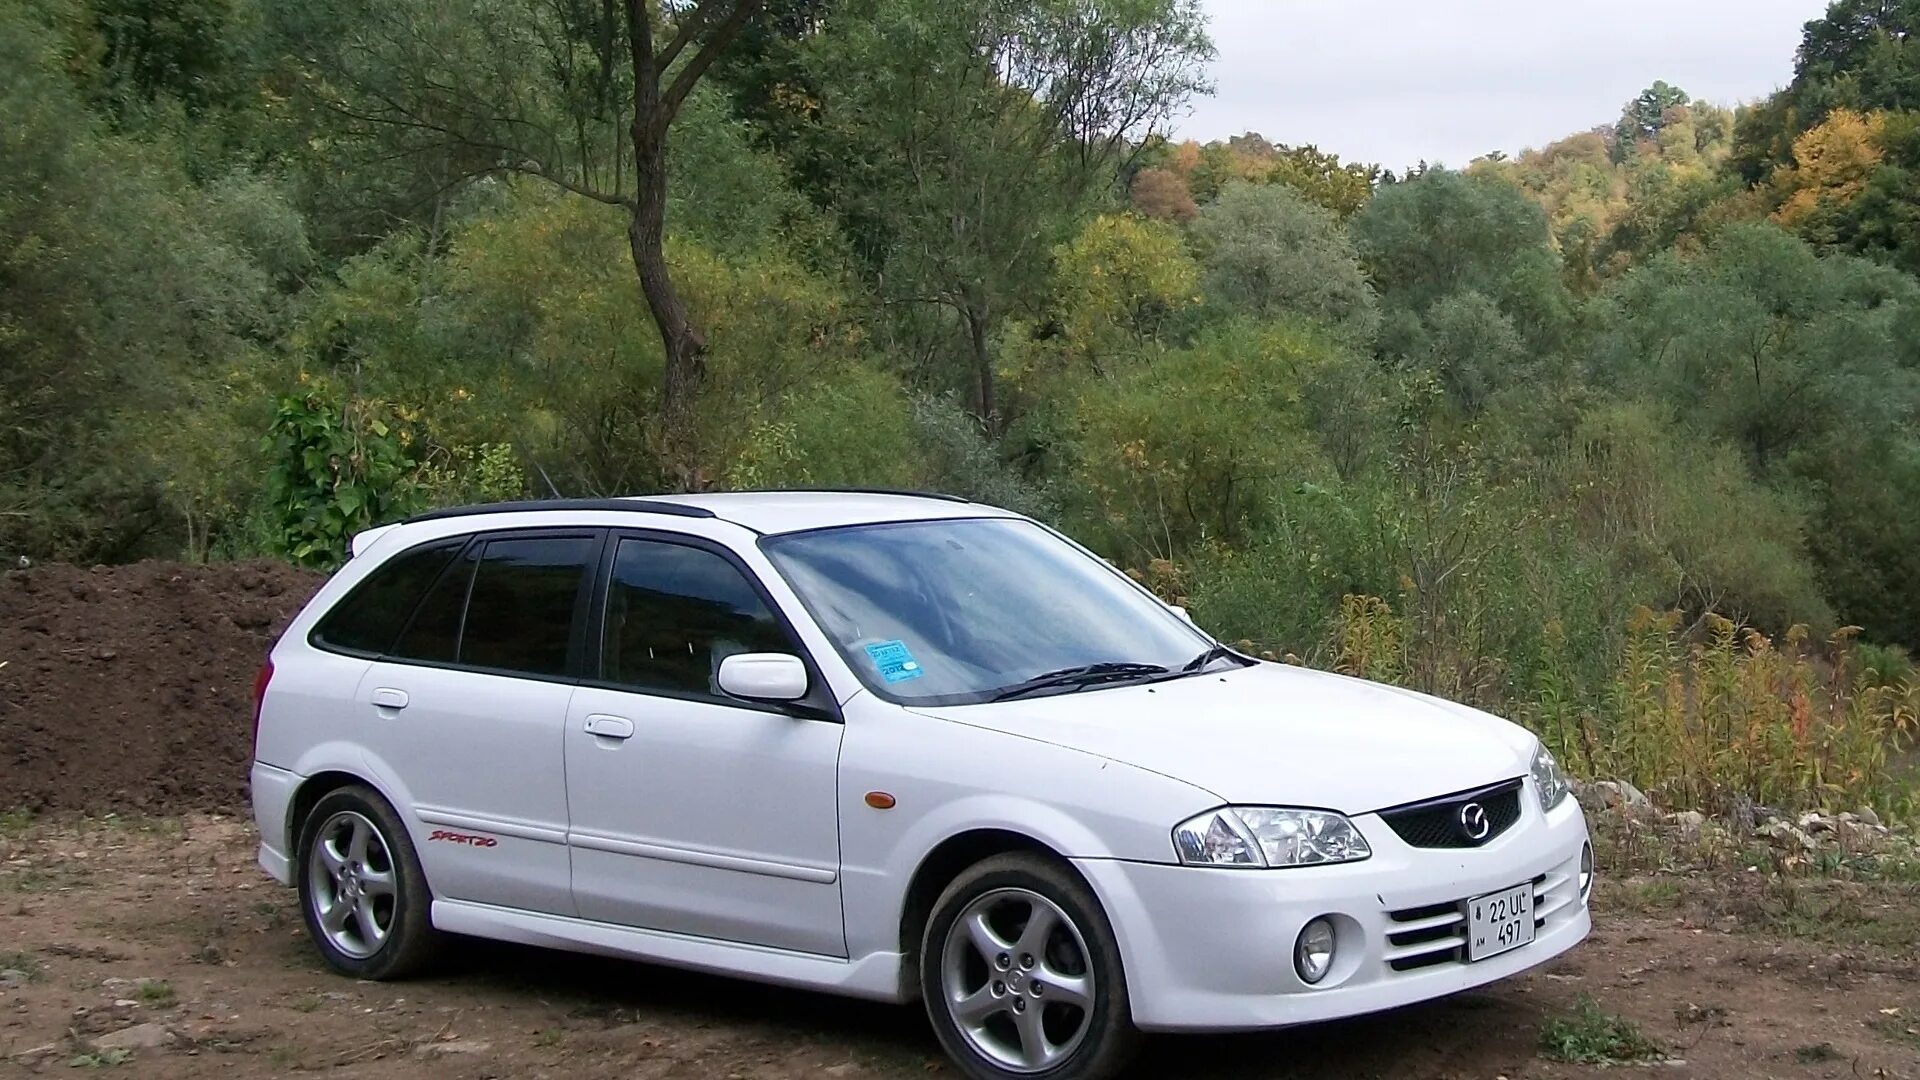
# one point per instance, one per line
(388, 698)
(609, 727)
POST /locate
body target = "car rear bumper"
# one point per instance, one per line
(1212, 950)
(272, 792)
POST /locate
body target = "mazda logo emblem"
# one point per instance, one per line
(1474, 823)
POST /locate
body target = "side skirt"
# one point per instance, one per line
(876, 976)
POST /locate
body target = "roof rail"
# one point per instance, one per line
(627, 506)
(902, 492)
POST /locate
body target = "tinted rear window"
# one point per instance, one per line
(434, 633)
(521, 607)
(371, 616)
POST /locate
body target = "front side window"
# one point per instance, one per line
(371, 616)
(965, 611)
(674, 612)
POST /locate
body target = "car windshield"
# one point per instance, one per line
(978, 609)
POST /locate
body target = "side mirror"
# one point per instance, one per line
(1182, 612)
(764, 677)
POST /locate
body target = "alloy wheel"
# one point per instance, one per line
(353, 888)
(1017, 979)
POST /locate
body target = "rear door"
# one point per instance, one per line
(467, 710)
(693, 812)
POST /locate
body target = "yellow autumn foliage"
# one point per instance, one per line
(1831, 164)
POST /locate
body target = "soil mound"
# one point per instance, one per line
(129, 688)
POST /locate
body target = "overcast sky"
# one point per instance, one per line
(1397, 81)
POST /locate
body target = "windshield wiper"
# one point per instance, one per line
(1081, 677)
(1216, 652)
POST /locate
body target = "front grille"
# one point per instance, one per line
(1435, 823)
(1437, 933)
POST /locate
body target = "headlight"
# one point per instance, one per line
(1548, 780)
(1262, 836)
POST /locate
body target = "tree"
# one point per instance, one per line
(1118, 284)
(1444, 232)
(974, 133)
(1645, 116)
(1163, 195)
(1832, 163)
(1863, 55)
(536, 87)
(1268, 251)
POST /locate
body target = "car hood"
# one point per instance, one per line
(1276, 734)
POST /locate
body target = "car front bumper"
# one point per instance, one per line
(1212, 949)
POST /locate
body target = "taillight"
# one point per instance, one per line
(260, 682)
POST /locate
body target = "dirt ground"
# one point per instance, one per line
(129, 688)
(163, 934)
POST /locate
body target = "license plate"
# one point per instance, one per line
(1499, 922)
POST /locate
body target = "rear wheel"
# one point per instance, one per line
(362, 892)
(1022, 976)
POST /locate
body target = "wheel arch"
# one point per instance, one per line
(946, 861)
(317, 787)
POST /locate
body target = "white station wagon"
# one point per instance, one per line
(897, 747)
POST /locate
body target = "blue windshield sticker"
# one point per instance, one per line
(894, 661)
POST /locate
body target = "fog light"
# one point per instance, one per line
(1313, 953)
(1586, 871)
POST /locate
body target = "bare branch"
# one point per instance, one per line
(710, 51)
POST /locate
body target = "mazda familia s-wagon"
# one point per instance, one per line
(897, 747)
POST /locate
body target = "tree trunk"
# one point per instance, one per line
(684, 346)
(977, 333)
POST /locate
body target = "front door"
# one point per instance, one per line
(692, 812)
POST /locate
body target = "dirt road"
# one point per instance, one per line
(158, 950)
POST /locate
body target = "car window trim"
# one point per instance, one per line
(819, 704)
(576, 631)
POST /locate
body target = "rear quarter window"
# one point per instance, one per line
(372, 615)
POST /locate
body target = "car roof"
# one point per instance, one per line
(772, 512)
(764, 512)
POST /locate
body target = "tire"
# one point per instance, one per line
(357, 862)
(1005, 1009)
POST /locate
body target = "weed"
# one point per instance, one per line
(1817, 1053)
(1897, 1029)
(99, 1059)
(16, 821)
(1707, 715)
(307, 1003)
(1655, 894)
(1586, 1035)
(157, 992)
(24, 962)
(547, 1039)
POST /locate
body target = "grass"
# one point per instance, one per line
(99, 1059)
(157, 992)
(24, 962)
(1870, 915)
(1816, 1054)
(1652, 894)
(307, 1003)
(1898, 1030)
(1587, 1035)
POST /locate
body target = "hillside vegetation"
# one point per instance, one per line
(1620, 436)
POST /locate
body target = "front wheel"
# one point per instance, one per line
(1022, 975)
(362, 892)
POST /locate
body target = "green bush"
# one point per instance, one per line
(1192, 448)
